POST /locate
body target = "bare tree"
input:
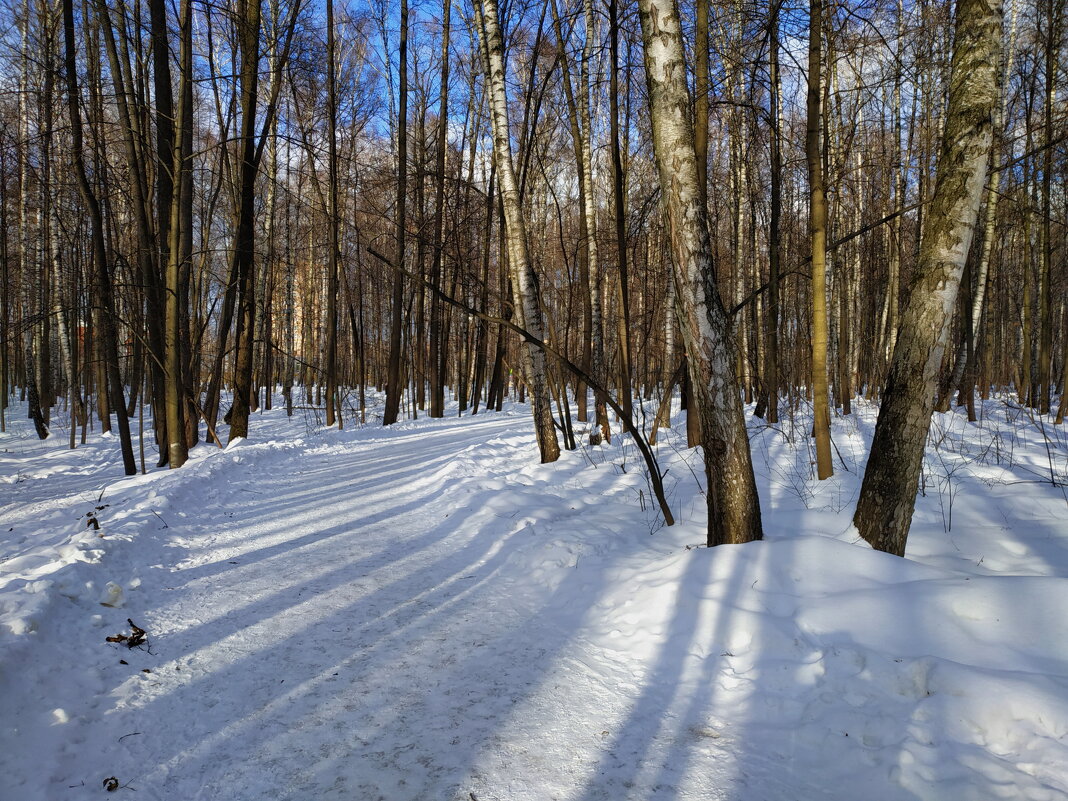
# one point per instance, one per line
(888, 492)
(524, 282)
(733, 505)
(394, 382)
(105, 297)
(818, 236)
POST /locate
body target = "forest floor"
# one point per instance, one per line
(424, 612)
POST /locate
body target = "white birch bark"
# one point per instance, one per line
(528, 309)
(733, 505)
(989, 216)
(888, 493)
(589, 209)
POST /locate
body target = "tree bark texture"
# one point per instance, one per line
(394, 384)
(888, 493)
(109, 334)
(733, 505)
(528, 307)
(818, 233)
(245, 236)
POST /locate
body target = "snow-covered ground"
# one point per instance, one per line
(424, 612)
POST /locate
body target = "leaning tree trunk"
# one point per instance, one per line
(733, 505)
(528, 307)
(979, 280)
(888, 493)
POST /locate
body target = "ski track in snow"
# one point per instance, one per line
(423, 612)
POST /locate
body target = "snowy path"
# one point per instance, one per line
(424, 613)
(354, 620)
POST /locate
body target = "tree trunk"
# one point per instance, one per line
(26, 249)
(528, 307)
(888, 493)
(818, 231)
(619, 212)
(593, 260)
(580, 149)
(180, 219)
(394, 384)
(245, 235)
(330, 368)
(1045, 310)
(733, 505)
(106, 317)
(437, 378)
(982, 276)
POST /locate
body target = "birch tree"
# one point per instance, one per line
(888, 493)
(733, 505)
(528, 308)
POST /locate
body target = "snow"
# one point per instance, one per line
(424, 612)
